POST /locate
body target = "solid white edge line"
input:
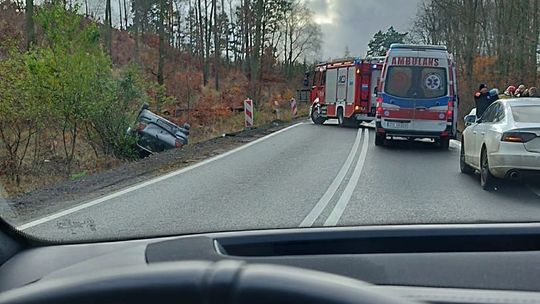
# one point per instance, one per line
(338, 210)
(331, 191)
(147, 183)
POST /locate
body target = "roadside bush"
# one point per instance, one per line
(110, 116)
(64, 90)
(18, 111)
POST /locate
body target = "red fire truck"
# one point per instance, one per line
(346, 89)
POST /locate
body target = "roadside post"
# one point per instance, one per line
(294, 108)
(248, 113)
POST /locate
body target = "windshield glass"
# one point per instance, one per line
(141, 118)
(526, 113)
(416, 82)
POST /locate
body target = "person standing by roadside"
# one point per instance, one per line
(509, 93)
(483, 99)
(533, 92)
(520, 91)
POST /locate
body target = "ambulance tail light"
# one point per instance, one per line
(379, 107)
(450, 111)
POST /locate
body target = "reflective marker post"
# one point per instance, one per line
(294, 108)
(248, 113)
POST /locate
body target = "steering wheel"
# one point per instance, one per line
(200, 283)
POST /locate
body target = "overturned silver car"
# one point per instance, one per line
(156, 134)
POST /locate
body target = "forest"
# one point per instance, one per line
(494, 41)
(72, 75)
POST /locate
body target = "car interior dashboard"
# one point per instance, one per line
(469, 263)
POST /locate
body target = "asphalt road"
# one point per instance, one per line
(305, 175)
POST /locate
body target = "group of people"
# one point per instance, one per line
(485, 97)
(520, 91)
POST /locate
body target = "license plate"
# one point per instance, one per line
(397, 125)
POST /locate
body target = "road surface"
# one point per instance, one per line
(303, 176)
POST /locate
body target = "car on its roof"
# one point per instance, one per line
(156, 134)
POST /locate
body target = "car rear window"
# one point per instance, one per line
(416, 82)
(526, 113)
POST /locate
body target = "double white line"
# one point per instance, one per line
(345, 197)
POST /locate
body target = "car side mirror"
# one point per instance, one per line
(470, 119)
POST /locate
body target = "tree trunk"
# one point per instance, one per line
(120, 14)
(247, 44)
(191, 34)
(225, 31)
(202, 41)
(125, 14)
(29, 14)
(256, 55)
(161, 30)
(137, 26)
(207, 34)
(470, 45)
(533, 50)
(217, 49)
(108, 25)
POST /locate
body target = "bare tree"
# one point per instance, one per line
(302, 35)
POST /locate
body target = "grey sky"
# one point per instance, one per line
(353, 22)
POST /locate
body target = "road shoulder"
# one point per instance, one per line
(71, 193)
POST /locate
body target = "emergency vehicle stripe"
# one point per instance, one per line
(401, 113)
(410, 114)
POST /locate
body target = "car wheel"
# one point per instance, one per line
(465, 168)
(316, 117)
(487, 180)
(340, 117)
(379, 139)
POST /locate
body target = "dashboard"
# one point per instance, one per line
(486, 263)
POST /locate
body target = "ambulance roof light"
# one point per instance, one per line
(418, 47)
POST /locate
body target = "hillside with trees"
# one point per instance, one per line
(73, 76)
(494, 41)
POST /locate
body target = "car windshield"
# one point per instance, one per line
(143, 118)
(526, 113)
(416, 82)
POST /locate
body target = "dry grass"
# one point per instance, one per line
(235, 122)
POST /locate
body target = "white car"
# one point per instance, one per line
(504, 142)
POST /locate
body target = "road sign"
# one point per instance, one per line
(248, 113)
(294, 107)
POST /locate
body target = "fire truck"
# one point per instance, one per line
(346, 89)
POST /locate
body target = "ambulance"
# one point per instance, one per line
(417, 95)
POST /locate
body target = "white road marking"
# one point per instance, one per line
(336, 214)
(327, 196)
(455, 143)
(147, 183)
